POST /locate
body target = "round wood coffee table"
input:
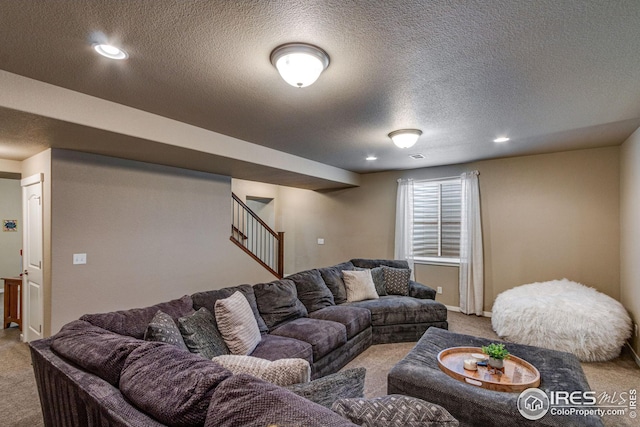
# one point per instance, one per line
(518, 374)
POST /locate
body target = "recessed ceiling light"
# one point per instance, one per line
(110, 51)
(501, 139)
(371, 158)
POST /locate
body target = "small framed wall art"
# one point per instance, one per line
(9, 225)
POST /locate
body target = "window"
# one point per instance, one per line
(436, 221)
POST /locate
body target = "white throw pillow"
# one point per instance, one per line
(359, 285)
(281, 372)
(237, 324)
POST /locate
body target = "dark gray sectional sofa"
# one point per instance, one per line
(89, 373)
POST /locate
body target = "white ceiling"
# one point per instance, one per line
(553, 75)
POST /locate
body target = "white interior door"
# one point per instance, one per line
(33, 240)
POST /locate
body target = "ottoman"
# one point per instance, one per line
(418, 375)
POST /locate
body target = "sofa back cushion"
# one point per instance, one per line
(208, 300)
(373, 263)
(278, 302)
(134, 322)
(96, 350)
(172, 385)
(265, 404)
(312, 290)
(332, 277)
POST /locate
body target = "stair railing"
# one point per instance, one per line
(251, 234)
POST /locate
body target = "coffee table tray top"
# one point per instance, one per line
(518, 374)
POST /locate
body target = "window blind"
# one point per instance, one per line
(436, 217)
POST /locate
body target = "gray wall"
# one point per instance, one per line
(151, 233)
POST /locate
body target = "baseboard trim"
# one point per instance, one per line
(457, 310)
(633, 353)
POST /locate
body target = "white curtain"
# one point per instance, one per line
(404, 222)
(471, 258)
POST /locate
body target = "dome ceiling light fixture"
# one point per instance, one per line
(405, 138)
(299, 64)
(110, 51)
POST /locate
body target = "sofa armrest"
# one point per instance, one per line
(418, 290)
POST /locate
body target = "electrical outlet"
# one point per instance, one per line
(79, 258)
(439, 289)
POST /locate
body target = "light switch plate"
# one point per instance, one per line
(439, 289)
(321, 241)
(79, 258)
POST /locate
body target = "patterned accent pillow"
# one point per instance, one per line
(237, 325)
(201, 335)
(396, 280)
(359, 285)
(394, 410)
(164, 329)
(282, 372)
(326, 390)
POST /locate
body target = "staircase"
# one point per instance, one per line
(256, 238)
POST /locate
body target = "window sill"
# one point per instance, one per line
(451, 262)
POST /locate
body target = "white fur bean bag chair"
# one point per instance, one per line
(563, 315)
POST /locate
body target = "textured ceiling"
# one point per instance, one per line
(553, 75)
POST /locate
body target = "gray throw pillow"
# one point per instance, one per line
(312, 290)
(394, 410)
(164, 329)
(396, 280)
(326, 390)
(278, 302)
(201, 335)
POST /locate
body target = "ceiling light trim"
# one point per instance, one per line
(405, 138)
(110, 51)
(299, 64)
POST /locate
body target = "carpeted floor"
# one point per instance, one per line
(20, 406)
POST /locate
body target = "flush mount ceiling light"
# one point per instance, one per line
(405, 138)
(110, 51)
(501, 139)
(299, 64)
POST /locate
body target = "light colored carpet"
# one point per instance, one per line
(615, 376)
(20, 406)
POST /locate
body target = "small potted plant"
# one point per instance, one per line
(497, 354)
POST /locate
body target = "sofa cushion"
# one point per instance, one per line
(332, 277)
(134, 322)
(377, 274)
(236, 324)
(359, 285)
(355, 319)
(373, 263)
(278, 302)
(326, 390)
(265, 404)
(323, 335)
(282, 372)
(312, 290)
(394, 411)
(397, 310)
(94, 349)
(208, 300)
(396, 280)
(163, 328)
(201, 335)
(171, 385)
(274, 347)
